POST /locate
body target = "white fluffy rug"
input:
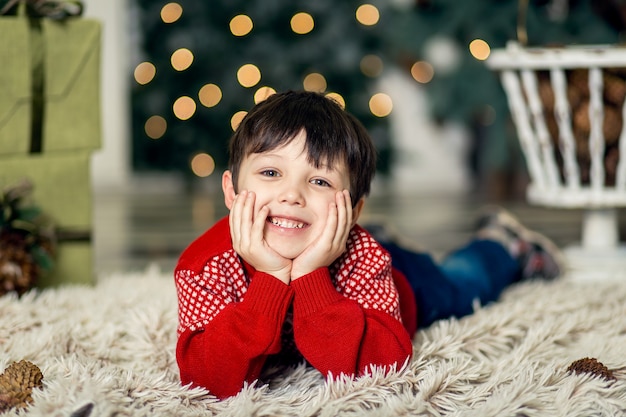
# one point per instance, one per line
(112, 346)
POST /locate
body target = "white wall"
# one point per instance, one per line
(110, 168)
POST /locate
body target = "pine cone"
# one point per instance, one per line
(610, 164)
(18, 269)
(614, 95)
(578, 79)
(614, 89)
(612, 126)
(17, 383)
(591, 366)
(581, 119)
(546, 94)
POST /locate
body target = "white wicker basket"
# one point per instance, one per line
(554, 163)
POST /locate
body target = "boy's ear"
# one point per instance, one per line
(356, 211)
(228, 188)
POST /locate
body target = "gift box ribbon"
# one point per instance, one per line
(35, 10)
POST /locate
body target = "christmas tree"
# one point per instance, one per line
(277, 45)
(329, 47)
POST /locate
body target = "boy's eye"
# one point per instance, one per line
(320, 182)
(269, 173)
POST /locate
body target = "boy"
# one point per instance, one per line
(289, 275)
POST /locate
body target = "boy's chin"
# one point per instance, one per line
(289, 247)
(287, 252)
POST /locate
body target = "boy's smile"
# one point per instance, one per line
(297, 194)
(286, 223)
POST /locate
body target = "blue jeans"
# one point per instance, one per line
(478, 271)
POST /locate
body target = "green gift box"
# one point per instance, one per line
(49, 84)
(50, 124)
(62, 188)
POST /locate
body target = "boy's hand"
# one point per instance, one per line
(332, 241)
(246, 231)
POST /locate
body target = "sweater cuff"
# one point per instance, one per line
(314, 292)
(267, 295)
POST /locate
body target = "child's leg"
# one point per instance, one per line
(478, 271)
(503, 251)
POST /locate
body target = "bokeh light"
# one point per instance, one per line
(302, 23)
(171, 12)
(263, 93)
(380, 105)
(155, 127)
(371, 65)
(210, 95)
(144, 72)
(248, 75)
(241, 25)
(314, 82)
(184, 107)
(182, 59)
(479, 49)
(338, 98)
(202, 165)
(237, 118)
(367, 14)
(422, 72)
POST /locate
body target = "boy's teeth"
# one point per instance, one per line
(288, 224)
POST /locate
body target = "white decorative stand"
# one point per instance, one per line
(599, 256)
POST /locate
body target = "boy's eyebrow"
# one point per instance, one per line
(264, 155)
(270, 155)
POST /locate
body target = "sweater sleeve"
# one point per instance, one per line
(347, 330)
(222, 351)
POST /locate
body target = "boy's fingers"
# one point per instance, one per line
(330, 230)
(348, 200)
(246, 218)
(344, 217)
(341, 218)
(259, 223)
(235, 218)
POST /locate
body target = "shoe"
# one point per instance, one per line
(538, 256)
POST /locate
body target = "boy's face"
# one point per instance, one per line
(297, 194)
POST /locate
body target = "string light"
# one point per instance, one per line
(302, 23)
(367, 14)
(422, 72)
(371, 65)
(338, 98)
(263, 93)
(155, 127)
(241, 25)
(314, 82)
(248, 75)
(479, 49)
(237, 118)
(171, 12)
(144, 72)
(184, 107)
(202, 165)
(181, 59)
(210, 95)
(380, 105)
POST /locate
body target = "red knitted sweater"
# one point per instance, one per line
(341, 319)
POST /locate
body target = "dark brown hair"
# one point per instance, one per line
(332, 135)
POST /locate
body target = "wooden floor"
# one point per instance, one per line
(152, 222)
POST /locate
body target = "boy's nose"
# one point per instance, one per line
(291, 195)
